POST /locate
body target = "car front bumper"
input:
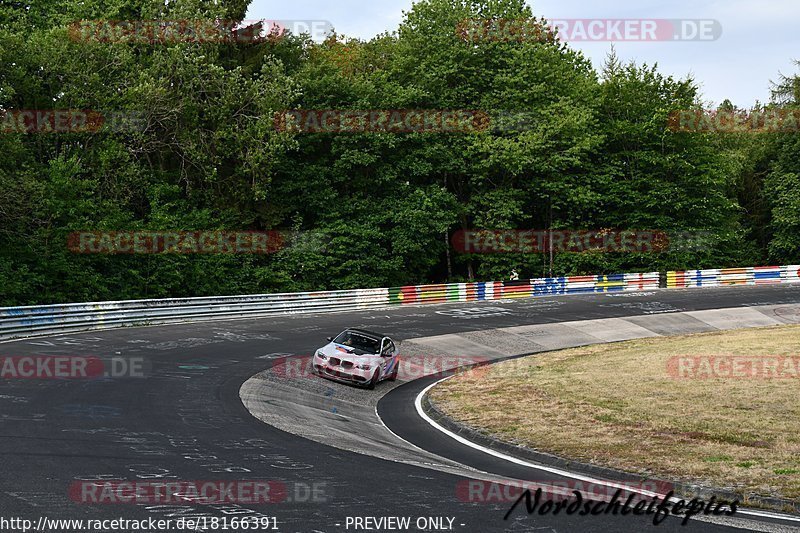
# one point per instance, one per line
(349, 375)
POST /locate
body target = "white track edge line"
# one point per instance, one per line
(557, 471)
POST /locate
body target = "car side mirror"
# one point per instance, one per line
(330, 339)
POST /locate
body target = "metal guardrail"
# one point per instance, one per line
(16, 322)
(716, 277)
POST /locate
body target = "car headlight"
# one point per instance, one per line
(322, 356)
(364, 367)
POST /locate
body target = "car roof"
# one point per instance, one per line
(377, 336)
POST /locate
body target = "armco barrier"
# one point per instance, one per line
(66, 318)
(717, 277)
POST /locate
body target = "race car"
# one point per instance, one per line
(359, 357)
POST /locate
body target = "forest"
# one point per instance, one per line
(194, 146)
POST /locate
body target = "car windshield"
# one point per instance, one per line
(358, 341)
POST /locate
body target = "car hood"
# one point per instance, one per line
(346, 353)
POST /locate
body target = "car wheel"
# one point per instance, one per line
(393, 375)
(374, 381)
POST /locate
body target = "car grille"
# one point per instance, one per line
(335, 361)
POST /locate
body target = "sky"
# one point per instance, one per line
(758, 41)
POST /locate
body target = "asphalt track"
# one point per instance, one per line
(186, 421)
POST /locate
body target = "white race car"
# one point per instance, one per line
(359, 357)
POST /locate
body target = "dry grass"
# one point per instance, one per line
(616, 405)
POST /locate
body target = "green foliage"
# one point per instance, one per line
(363, 209)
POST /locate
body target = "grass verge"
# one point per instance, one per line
(629, 406)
